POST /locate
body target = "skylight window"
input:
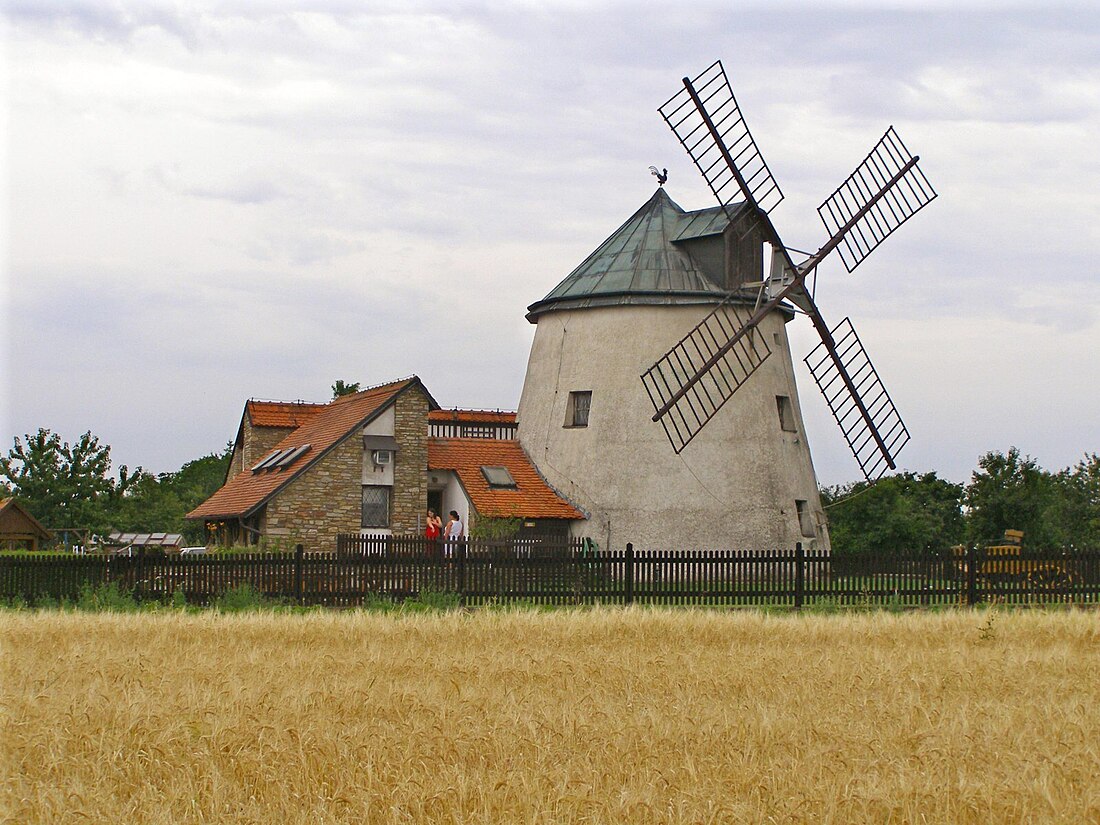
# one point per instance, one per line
(271, 457)
(291, 456)
(281, 458)
(499, 478)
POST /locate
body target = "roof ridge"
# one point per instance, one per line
(345, 398)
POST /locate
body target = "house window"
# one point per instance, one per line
(786, 413)
(576, 414)
(376, 506)
(805, 519)
(499, 478)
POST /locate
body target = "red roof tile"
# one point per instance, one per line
(324, 429)
(532, 497)
(280, 413)
(472, 416)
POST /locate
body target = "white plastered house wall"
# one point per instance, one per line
(375, 474)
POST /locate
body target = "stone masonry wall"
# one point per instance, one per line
(322, 502)
(410, 471)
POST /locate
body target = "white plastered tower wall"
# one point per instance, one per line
(734, 486)
(743, 479)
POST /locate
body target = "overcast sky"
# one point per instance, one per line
(208, 202)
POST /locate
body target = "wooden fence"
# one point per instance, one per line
(557, 571)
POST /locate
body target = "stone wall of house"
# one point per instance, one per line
(322, 502)
(410, 471)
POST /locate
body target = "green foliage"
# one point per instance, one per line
(903, 512)
(340, 389)
(242, 598)
(1007, 491)
(1010, 492)
(66, 485)
(489, 528)
(438, 600)
(159, 503)
(106, 598)
(1078, 508)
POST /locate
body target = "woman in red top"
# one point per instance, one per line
(433, 529)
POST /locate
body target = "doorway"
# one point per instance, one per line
(435, 502)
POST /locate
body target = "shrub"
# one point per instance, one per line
(106, 597)
(242, 598)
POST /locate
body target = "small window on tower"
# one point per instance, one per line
(805, 519)
(580, 403)
(786, 413)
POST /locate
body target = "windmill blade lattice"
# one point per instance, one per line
(874, 459)
(706, 395)
(891, 170)
(708, 122)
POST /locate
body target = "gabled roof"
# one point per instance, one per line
(330, 425)
(641, 263)
(531, 497)
(472, 416)
(11, 507)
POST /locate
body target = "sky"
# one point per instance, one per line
(214, 201)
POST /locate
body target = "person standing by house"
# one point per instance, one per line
(433, 530)
(455, 529)
(454, 532)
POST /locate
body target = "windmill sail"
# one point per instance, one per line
(696, 399)
(705, 117)
(695, 378)
(884, 191)
(858, 400)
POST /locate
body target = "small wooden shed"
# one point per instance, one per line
(19, 530)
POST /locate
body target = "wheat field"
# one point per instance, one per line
(616, 716)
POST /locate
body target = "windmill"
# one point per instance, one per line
(695, 378)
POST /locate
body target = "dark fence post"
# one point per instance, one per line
(299, 554)
(971, 575)
(460, 569)
(799, 575)
(139, 578)
(628, 574)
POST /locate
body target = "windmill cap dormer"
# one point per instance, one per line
(661, 255)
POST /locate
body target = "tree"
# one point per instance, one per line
(906, 512)
(340, 388)
(1078, 510)
(1010, 492)
(65, 485)
(160, 503)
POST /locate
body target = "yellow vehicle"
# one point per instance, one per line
(1007, 565)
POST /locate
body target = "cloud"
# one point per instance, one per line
(218, 200)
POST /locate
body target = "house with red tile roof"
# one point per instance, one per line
(373, 462)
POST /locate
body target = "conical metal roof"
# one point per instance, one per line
(640, 264)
